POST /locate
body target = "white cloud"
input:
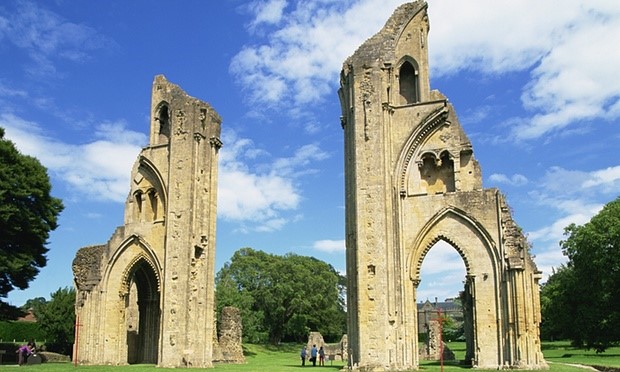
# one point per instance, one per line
(257, 196)
(267, 12)
(98, 170)
(565, 48)
(442, 273)
(573, 70)
(549, 259)
(330, 246)
(244, 195)
(609, 178)
(574, 197)
(6, 91)
(555, 231)
(476, 115)
(302, 58)
(514, 180)
(441, 258)
(304, 156)
(258, 191)
(606, 181)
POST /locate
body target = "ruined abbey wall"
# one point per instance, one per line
(147, 295)
(412, 180)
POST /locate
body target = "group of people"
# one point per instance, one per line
(313, 355)
(25, 351)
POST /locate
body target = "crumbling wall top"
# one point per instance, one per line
(382, 45)
(163, 87)
(87, 266)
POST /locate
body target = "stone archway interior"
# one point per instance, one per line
(142, 315)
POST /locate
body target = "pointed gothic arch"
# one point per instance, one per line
(156, 179)
(441, 226)
(141, 286)
(141, 250)
(412, 147)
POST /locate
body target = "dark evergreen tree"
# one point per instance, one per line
(28, 213)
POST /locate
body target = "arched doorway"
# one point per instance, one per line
(442, 293)
(142, 314)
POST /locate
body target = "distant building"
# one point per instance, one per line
(29, 317)
(428, 311)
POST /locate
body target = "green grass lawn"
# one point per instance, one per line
(562, 352)
(285, 358)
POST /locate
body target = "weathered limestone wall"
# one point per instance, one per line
(411, 180)
(336, 350)
(231, 333)
(188, 295)
(147, 295)
(434, 346)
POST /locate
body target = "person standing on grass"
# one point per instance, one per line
(321, 356)
(313, 353)
(303, 354)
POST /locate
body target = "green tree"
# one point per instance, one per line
(557, 304)
(27, 215)
(282, 298)
(34, 303)
(57, 319)
(589, 287)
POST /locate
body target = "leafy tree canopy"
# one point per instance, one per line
(580, 301)
(57, 320)
(282, 298)
(27, 215)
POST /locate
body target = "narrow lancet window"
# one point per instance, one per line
(408, 82)
(163, 116)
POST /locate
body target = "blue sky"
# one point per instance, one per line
(536, 87)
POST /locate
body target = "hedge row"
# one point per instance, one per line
(20, 331)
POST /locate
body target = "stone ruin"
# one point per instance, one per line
(333, 351)
(229, 348)
(147, 294)
(411, 180)
(432, 349)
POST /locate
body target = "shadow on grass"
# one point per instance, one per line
(309, 365)
(247, 352)
(596, 356)
(447, 363)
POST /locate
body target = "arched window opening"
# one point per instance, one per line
(153, 204)
(138, 206)
(436, 175)
(446, 171)
(163, 116)
(408, 83)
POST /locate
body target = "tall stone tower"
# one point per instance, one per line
(147, 296)
(411, 180)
